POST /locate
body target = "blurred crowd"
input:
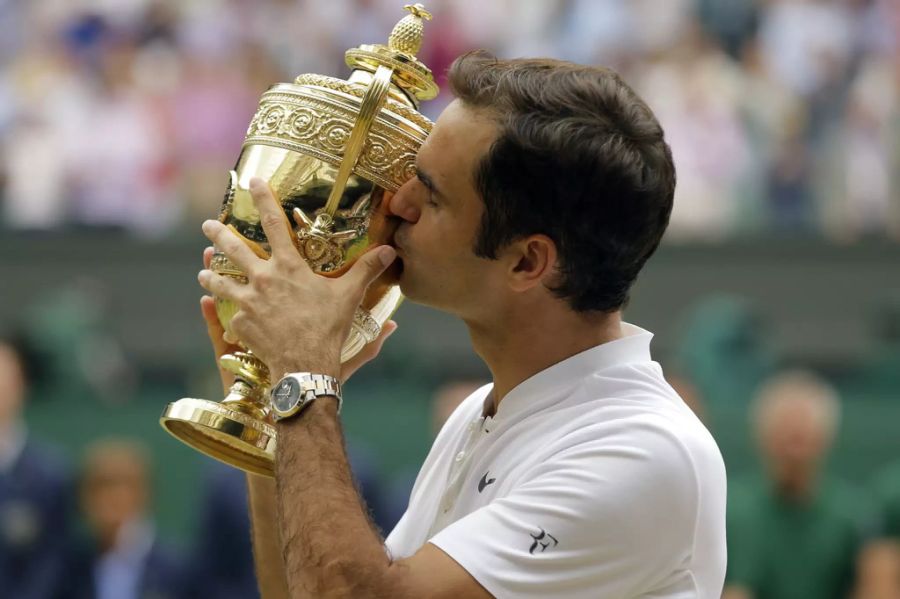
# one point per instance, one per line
(82, 527)
(783, 114)
(87, 532)
(795, 531)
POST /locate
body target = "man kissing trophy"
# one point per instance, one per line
(333, 151)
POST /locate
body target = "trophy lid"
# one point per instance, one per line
(367, 125)
(405, 41)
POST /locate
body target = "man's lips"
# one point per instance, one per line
(396, 241)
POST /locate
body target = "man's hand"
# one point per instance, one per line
(221, 347)
(290, 317)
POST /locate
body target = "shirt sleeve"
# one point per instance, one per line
(607, 518)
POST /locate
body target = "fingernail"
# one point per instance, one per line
(386, 254)
(256, 183)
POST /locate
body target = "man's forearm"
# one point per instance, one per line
(330, 547)
(266, 539)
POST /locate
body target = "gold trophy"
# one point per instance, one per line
(333, 151)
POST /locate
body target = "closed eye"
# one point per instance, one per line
(427, 182)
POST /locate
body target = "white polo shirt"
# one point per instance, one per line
(592, 480)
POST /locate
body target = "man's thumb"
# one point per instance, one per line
(371, 264)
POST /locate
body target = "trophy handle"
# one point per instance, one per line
(372, 102)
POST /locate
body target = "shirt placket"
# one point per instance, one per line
(459, 470)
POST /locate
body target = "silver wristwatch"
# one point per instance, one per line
(299, 389)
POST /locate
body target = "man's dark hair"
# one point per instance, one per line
(579, 158)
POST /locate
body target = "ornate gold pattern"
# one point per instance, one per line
(366, 325)
(391, 106)
(309, 122)
(220, 264)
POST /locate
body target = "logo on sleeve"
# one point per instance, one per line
(485, 481)
(542, 540)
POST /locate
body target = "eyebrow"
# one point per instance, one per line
(428, 182)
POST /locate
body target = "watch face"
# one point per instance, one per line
(285, 395)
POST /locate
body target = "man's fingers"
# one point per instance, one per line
(224, 287)
(370, 266)
(271, 217)
(230, 244)
(368, 353)
(386, 331)
(207, 256)
(213, 326)
(217, 337)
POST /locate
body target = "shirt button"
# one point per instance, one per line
(460, 456)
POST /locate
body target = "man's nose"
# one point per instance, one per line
(406, 202)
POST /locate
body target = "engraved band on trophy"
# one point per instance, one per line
(330, 149)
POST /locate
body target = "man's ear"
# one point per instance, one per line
(532, 262)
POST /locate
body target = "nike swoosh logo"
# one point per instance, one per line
(485, 481)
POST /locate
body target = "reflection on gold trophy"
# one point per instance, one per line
(331, 149)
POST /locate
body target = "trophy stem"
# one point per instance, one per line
(238, 430)
(243, 397)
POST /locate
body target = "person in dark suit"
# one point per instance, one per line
(123, 558)
(35, 493)
(223, 558)
(222, 562)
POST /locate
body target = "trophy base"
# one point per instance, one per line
(222, 433)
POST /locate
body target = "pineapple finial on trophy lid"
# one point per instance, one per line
(407, 34)
(409, 73)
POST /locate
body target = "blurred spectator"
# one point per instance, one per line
(695, 90)
(222, 562)
(782, 114)
(223, 556)
(879, 571)
(887, 488)
(34, 494)
(80, 357)
(123, 559)
(725, 334)
(689, 394)
(807, 44)
(796, 533)
(862, 185)
(879, 374)
(734, 22)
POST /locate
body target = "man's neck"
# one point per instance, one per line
(526, 341)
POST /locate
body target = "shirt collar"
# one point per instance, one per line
(546, 386)
(134, 541)
(12, 446)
